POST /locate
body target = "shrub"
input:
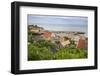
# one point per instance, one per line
(36, 53)
(68, 53)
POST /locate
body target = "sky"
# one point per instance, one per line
(59, 23)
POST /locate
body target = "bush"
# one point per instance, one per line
(68, 53)
(35, 53)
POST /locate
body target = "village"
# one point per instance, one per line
(62, 38)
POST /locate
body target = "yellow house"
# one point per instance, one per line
(35, 30)
(64, 41)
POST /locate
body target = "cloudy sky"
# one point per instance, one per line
(59, 23)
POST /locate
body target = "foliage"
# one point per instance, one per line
(35, 53)
(72, 44)
(43, 52)
(40, 49)
(68, 53)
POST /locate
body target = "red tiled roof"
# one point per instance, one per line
(82, 43)
(47, 34)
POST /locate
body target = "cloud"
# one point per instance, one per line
(58, 20)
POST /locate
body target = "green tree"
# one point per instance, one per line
(36, 53)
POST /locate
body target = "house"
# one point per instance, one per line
(70, 34)
(82, 43)
(64, 41)
(35, 28)
(47, 35)
(53, 34)
(76, 39)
